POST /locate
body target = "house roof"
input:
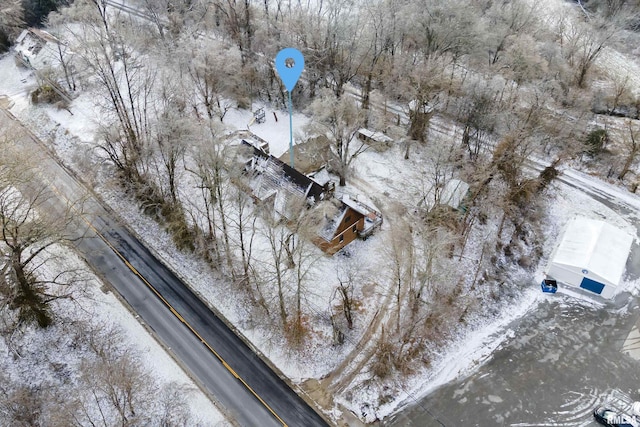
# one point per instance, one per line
(43, 35)
(311, 189)
(373, 217)
(289, 188)
(36, 48)
(333, 216)
(357, 206)
(595, 246)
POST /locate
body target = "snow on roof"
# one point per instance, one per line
(376, 136)
(34, 48)
(330, 224)
(453, 193)
(44, 35)
(357, 206)
(21, 37)
(321, 176)
(595, 246)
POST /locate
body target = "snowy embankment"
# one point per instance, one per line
(92, 306)
(57, 356)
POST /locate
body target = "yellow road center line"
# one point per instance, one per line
(150, 286)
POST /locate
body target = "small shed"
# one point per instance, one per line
(454, 193)
(38, 49)
(591, 256)
(351, 219)
(378, 140)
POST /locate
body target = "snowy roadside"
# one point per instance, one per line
(44, 355)
(103, 308)
(97, 306)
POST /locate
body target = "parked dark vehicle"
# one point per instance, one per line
(611, 418)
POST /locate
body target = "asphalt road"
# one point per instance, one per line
(251, 393)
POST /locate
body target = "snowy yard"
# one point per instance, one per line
(400, 188)
(386, 179)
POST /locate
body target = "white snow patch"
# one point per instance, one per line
(275, 133)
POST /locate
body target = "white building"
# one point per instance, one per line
(38, 49)
(592, 256)
(454, 193)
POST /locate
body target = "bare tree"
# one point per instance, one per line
(621, 93)
(348, 275)
(478, 120)
(506, 21)
(401, 258)
(422, 87)
(238, 21)
(381, 37)
(439, 29)
(172, 132)
(302, 255)
(286, 268)
(114, 388)
(429, 182)
(11, 18)
(65, 58)
(212, 164)
(632, 145)
(339, 119)
(104, 42)
(213, 70)
(243, 222)
(584, 44)
(21, 405)
(338, 58)
(31, 223)
(275, 266)
(171, 18)
(435, 274)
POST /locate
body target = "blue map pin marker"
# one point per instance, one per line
(289, 63)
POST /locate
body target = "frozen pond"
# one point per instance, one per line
(565, 358)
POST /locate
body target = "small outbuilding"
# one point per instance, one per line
(378, 140)
(454, 193)
(37, 49)
(591, 256)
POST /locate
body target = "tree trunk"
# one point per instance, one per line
(628, 163)
(30, 304)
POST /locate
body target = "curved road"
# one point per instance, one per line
(251, 393)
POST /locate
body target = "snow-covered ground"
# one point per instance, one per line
(276, 133)
(384, 178)
(94, 305)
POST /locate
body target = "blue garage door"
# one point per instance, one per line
(592, 285)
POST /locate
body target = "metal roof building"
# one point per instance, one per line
(592, 256)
